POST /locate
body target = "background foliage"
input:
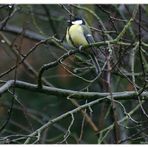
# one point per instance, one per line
(35, 33)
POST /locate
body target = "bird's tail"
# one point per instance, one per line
(95, 62)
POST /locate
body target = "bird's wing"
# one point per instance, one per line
(87, 34)
(93, 52)
(89, 38)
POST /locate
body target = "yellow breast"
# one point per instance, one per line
(77, 36)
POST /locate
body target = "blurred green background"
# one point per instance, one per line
(32, 109)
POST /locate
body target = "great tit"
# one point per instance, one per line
(78, 34)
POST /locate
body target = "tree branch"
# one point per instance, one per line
(18, 30)
(125, 95)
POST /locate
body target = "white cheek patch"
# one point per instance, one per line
(88, 35)
(78, 22)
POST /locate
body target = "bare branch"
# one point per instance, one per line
(27, 33)
(125, 95)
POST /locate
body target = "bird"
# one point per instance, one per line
(78, 34)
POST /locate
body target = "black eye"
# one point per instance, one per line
(69, 22)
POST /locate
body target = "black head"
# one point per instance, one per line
(76, 20)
